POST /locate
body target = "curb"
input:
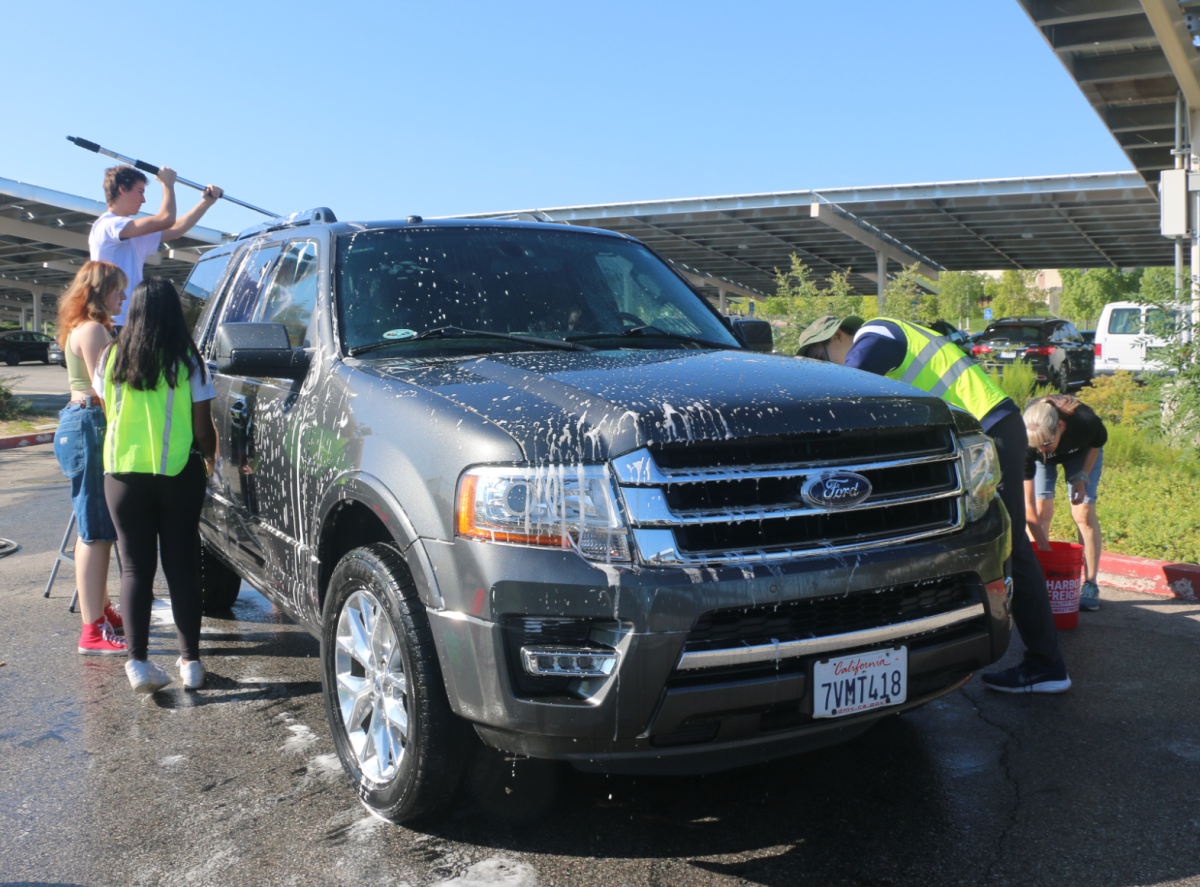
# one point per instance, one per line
(26, 440)
(1150, 576)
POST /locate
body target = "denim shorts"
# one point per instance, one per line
(79, 447)
(1045, 476)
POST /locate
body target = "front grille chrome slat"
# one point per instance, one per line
(695, 514)
(748, 655)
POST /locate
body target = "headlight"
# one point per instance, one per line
(981, 473)
(566, 506)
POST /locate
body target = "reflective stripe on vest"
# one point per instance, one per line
(144, 435)
(944, 372)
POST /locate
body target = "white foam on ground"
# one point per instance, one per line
(362, 829)
(172, 760)
(301, 738)
(505, 872)
(326, 766)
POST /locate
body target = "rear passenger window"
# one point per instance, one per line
(1125, 321)
(241, 299)
(198, 290)
(293, 292)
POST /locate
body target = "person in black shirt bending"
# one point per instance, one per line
(1063, 431)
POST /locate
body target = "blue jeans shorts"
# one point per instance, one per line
(1045, 476)
(79, 448)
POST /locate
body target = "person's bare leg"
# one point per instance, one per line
(1089, 531)
(91, 577)
(1045, 513)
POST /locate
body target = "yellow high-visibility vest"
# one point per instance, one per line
(148, 433)
(935, 364)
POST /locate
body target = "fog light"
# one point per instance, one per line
(575, 662)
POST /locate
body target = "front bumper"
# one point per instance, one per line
(657, 713)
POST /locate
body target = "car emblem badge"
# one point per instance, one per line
(843, 489)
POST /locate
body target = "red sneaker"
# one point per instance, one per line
(99, 639)
(114, 618)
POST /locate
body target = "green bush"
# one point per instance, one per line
(11, 406)
(1119, 400)
(1019, 382)
(1132, 506)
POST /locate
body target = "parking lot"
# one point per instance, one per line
(238, 783)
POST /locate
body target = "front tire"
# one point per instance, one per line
(219, 585)
(1064, 381)
(12, 358)
(388, 711)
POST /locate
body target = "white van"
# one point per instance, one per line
(1121, 340)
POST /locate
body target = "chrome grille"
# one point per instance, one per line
(709, 503)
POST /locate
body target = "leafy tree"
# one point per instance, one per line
(1174, 322)
(800, 300)
(961, 291)
(1013, 294)
(1087, 290)
(906, 298)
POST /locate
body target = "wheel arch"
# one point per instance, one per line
(358, 509)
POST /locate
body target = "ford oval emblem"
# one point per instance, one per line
(844, 489)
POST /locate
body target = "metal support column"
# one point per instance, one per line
(37, 307)
(1179, 154)
(721, 299)
(881, 260)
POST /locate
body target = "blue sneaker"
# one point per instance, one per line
(1030, 677)
(1089, 597)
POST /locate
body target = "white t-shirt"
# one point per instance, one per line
(202, 389)
(105, 245)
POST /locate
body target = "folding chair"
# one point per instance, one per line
(69, 556)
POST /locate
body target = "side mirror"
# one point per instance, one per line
(259, 349)
(757, 334)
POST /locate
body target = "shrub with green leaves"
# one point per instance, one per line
(1119, 399)
(11, 406)
(1019, 382)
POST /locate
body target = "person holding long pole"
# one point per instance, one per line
(160, 438)
(119, 236)
(85, 313)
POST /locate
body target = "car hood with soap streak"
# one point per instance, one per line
(567, 406)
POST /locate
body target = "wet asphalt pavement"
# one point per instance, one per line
(238, 783)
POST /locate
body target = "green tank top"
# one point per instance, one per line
(77, 374)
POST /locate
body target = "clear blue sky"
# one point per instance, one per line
(378, 110)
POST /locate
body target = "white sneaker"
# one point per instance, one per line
(191, 673)
(146, 677)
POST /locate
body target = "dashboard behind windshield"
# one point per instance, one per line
(396, 284)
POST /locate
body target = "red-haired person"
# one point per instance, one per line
(85, 313)
(126, 241)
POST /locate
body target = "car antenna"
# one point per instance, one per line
(153, 170)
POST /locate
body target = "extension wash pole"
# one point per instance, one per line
(153, 170)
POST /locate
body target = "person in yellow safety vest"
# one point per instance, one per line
(908, 352)
(160, 437)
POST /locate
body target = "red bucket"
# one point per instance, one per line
(1063, 566)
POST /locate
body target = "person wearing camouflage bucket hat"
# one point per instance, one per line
(908, 352)
(831, 333)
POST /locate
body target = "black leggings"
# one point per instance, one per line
(153, 512)
(1031, 603)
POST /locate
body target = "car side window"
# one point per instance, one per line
(292, 293)
(1125, 321)
(195, 297)
(1071, 334)
(241, 298)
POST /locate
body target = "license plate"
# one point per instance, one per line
(1009, 355)
(848, 685)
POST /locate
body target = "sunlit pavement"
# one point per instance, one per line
(237, 784)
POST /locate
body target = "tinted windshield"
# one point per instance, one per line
(1028, 335)
(395, 285)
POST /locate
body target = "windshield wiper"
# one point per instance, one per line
(651, 332)
(458, 332)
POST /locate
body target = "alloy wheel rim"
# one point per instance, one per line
(372, 687)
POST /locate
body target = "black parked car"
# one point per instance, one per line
(1053, 347)
(17, 346)
(532, 492)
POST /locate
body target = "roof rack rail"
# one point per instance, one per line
(321, 215)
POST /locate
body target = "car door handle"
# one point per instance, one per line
(239, 411)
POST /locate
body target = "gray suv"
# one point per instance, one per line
(532, 492)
